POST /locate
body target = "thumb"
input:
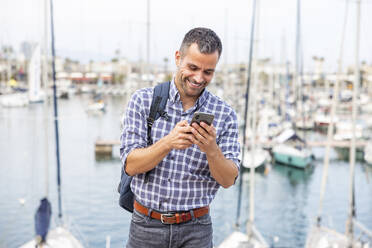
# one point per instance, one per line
(182, 123)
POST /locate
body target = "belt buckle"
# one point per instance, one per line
(163, 218)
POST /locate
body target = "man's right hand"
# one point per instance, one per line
(141, 160)
(180, 137)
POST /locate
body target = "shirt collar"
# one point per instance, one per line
(174, 95)
(173, 92)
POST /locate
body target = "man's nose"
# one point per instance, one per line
(199, 77)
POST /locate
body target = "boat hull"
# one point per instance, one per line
(295, 161)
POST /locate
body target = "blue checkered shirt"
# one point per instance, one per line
(182, 181)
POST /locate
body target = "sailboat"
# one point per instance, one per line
(34, 93)
(60, 237)
(290, 148)
(344, 132)
(34, 75)
(256, 159)
(98, 105)
(368, 153)
(14, 100)
(319, 235)
(252, 238)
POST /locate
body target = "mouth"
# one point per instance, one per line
(194, 84)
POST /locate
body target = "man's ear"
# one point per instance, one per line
(177, 57)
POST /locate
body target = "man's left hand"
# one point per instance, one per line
(205, 137)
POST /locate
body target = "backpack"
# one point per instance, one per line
(159, 100)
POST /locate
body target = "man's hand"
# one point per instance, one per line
(205, 137)
(180, 137)
(222, 170)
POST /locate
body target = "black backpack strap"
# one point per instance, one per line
(159, 101)
(164, 93)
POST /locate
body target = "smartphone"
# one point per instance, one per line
(202, 117)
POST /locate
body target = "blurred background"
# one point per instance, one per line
(305, 72)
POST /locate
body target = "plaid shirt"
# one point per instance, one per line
(182, 181)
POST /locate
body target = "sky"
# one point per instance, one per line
(93, 29)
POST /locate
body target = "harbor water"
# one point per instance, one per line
(286, 199)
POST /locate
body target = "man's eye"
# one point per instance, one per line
(193, 68)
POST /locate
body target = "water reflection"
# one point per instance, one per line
(286, 198)
(295, 176)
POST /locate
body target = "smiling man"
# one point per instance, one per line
(195, 71)
(186, 164)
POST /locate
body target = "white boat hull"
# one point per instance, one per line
(14, 100)
(261, 157)
(59, 237)
(241, 240)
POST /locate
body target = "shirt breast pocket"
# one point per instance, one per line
(196, 161)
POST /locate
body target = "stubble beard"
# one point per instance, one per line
(189, 92)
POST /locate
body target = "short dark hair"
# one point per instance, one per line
(206, 39)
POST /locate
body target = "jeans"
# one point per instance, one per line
(146, 232)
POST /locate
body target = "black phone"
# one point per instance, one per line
(202, 117)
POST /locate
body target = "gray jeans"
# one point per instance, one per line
(146, 232)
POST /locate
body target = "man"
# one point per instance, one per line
(186, 163)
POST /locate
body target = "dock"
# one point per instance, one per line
(104, 147)
(322, 143)
(334, 143)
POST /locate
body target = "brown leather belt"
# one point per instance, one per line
(171, 218)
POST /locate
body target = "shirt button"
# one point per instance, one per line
(169, 180)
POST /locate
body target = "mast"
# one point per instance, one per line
(148, 42)
(225, 71)
(253, 126)
(283, 77)
(55, 112)
(246, 109)
(226, 35)
(46, 98)
(300, 67)
(296, 64)
(349, 226)
(331, 124)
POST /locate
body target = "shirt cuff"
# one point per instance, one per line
(125, 154)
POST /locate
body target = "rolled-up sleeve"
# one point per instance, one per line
(134, 133)
(229, 139)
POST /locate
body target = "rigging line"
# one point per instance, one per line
(333, 111)
(295, 87)
(77, 229)
(46, 100)
(305, 115)
(356, 83)
(301, 76)
(246, 112)
(55, 112)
